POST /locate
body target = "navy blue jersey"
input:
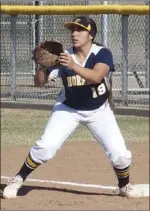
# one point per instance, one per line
(80, 94)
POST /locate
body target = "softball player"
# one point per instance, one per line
(85, 70)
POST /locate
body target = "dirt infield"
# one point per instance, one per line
(81, 162)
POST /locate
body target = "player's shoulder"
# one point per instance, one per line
(98, 48)
(95, 49)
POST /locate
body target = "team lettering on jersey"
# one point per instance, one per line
(77, 80)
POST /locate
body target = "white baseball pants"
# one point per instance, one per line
(102, 124)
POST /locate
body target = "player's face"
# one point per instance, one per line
(80, 37)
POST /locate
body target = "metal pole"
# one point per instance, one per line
(35, 33)
(33, 39)
(37, 26)
(147, 47)
(13, 20)
(124, 20)
(104, 27)
(41, 25)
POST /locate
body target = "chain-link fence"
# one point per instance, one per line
(126, 35)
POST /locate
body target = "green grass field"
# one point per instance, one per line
(25, 126)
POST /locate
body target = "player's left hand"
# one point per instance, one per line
(66, 60)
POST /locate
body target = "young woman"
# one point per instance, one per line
(85, 70)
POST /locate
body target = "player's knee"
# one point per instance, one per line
(121, 160)
(42, 153)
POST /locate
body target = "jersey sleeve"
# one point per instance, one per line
(53, 74)
(105, 56)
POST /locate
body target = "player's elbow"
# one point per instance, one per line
(96, 79)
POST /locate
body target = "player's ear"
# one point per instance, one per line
(91, 37)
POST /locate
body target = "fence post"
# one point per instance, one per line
(104, 27)
(13, 20)
(124, 48)
(41, 25)
(35, 33)
(33, 40)
(37, 26)
(147, 47)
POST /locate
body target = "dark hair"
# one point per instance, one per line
(93, 24)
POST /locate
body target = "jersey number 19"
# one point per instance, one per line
(100, 90)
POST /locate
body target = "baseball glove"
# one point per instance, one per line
(46, 54)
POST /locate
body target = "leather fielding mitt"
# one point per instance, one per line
(46, 54)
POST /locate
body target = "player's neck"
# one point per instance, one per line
(83, 51)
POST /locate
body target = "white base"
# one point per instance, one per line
(143, 188)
